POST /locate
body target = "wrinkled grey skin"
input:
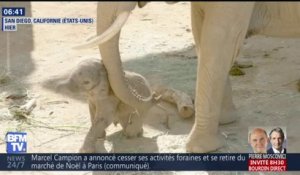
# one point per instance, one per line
(90, 77)
(219, 29)
(211, 91)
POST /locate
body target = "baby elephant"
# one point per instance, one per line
(90, 77)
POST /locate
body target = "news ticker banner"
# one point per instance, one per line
(14, 16)
(149, 162)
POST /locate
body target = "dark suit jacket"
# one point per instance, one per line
(270, 151)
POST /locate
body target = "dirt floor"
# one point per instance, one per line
(156, 42)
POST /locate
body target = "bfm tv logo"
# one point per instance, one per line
(16, 142)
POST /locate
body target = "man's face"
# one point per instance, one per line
(276, 140)
(259, 142)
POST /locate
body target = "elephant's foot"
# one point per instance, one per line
(99, 146)
(131, 132)
(228, 116)
(202, 143)
(134, 126)
(88, 149)
(94, 134)
(95, 146)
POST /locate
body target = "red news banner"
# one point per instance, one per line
(267, 162)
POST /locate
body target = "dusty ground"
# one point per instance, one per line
(156, 42)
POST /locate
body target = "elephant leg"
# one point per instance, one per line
(97, 131)
(104, 115)
(130, 120)
(218, 39)
(135, 125)
(228, 114)
(92, 110)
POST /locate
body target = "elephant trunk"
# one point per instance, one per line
(111, 57)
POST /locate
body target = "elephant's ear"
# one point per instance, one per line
(141, 4)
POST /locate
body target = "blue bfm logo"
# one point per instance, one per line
(16, 142)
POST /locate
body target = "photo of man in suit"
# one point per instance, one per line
(276, 138)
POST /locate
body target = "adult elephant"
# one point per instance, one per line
(219, 29)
